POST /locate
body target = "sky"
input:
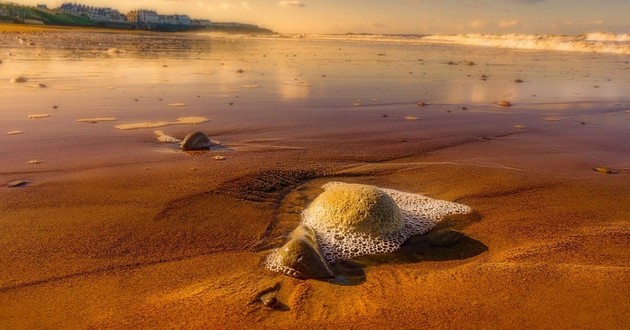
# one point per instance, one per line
(395, 16)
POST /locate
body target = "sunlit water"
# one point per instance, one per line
(275, 82)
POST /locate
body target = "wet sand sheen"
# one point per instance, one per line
(132, 232)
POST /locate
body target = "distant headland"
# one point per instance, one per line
(74, 14)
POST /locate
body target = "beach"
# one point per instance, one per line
(111, 228)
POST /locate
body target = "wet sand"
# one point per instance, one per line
(117, 230)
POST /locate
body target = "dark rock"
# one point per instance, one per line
(445, 237)
(196, 141)
(269, 300)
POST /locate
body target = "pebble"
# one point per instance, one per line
(269, 300)
(504, 103)
(34, 162)
(14, 132)
(605, 170)
(411, 118)
(219, 158)
(17, 183)
(19, 80)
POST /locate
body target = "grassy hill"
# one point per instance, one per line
(18, 14)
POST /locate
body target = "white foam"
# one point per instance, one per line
(420, 214)
(592, 42)
(180, 121)
(94, 120)
(38, 116)
(162, 137)
(143, 125)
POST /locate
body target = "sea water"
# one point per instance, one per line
(280, 82)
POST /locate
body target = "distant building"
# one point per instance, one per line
(201, 22)
(143, 16)
(175, 19)
(98, 14)
(39, 6)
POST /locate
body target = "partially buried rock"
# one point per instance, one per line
(504, 103)
(301, 256)
(19, 80)
(605, 170)
(196, 141)
(269, 299)
(445, 237)
(17, 183)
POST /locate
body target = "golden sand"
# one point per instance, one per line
(115, 231)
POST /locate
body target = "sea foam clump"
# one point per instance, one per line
(352, 220)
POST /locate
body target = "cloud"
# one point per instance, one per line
(291, 3)
(505, 24)
(477, 24)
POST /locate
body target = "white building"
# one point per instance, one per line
(143, 16)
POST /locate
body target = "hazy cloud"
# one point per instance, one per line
(505, 24)
(291, 3)
(477, 24)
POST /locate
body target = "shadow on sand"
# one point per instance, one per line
(443, 243)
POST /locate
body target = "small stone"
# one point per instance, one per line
(19, 80)
(421, 104)
(504, 103)
(240, 71)
(218, 158)
(605, 170)
(518, 81)
(14, 132)
(34, 162)
(411, 118)
(269, 300)
(17, 183)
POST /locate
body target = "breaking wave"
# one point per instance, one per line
(600, 42)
